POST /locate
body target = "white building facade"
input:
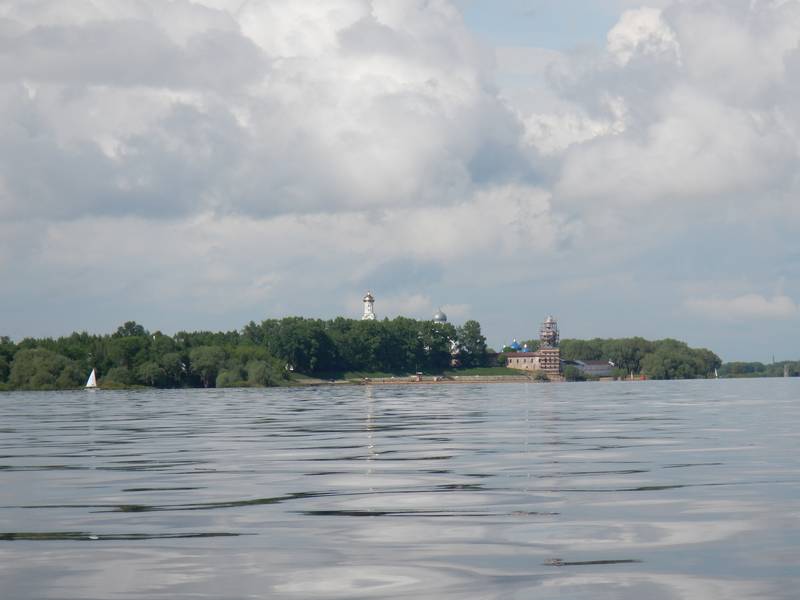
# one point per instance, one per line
(369, 308)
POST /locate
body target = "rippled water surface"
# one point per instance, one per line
(629, 490)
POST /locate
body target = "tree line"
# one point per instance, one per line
(261, 354)
(660, 359)
(269, 352)
(759, 369)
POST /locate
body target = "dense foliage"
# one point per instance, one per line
(265, 354)
(661, 359)
(573, 373)
(757, 369)
(260, 355)
(399, 345)
(134, 356)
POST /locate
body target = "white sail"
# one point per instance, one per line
(92, 381)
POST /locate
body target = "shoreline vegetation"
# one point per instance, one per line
(297, 351)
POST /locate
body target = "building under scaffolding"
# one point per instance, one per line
(549, 352)
(547, 358)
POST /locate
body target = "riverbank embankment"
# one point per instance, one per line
(429, 380)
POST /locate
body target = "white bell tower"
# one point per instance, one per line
(369, 307)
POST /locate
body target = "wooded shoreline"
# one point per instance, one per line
(295, 350)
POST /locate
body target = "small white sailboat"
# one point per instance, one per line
(91, 383)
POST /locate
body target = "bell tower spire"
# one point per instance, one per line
(369, 307)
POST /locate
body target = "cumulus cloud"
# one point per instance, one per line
(687, 104)
(249, 261)
(260, 108)
(229, 155)
(408, 305)
(747, 306)
(643, 32)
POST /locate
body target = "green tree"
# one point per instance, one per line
(471, 344)
(360, 345)
(175, 369)
(403, 350)
(573, 373)
(130, 329)
(265, 373)
(708, 362)
(743, 369)
(627, 353)
(303, 343)
(437, 341)
(580, 350)
(675, 360)
(6, 345)
(160, 345)
(228, 378)
(152, 374)
(206, 362)
(125, 351)
(7, 351)
(39, 369)
(254, 334)
(70, 376)
(658, 365)
(120, 376)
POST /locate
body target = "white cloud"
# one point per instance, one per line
(643, 32)
(685, 120)
(409, 305)
(553, 133)
(250, 258)
(271, 107)
(747, 306)
(699, 149)
(229, 156)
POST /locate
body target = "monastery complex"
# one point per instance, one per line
(546, 359)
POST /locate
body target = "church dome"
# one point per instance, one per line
(440, 317)
(514, 345)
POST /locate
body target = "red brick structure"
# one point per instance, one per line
(547, 358)
(550, 360)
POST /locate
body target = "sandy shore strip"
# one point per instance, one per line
(427, 380)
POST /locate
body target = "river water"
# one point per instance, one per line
(582, 491)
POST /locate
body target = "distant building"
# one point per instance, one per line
(592, 368)
(548, 333)
(525, 361)
(369, 308)
(547, 358)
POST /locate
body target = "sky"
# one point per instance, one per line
(629, 167)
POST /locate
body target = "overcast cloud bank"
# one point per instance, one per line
(214, 161)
